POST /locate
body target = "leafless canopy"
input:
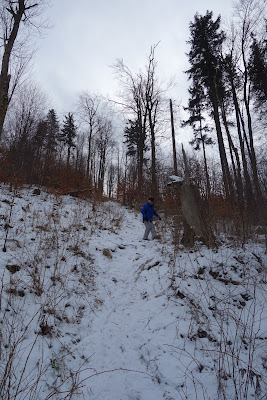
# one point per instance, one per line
(20, 21)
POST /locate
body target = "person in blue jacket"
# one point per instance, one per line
(148, 212)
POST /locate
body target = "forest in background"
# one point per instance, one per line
(87, 308)
(88, 150)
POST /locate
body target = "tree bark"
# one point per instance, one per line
(248, 187)
(173, 142)
(193, 211)
(252, 152)
(88, 177)
(230, 142)
(224, 163)
(68, 157)
(205, 161)
(154, 186)
(8, 46)
(250, 132)
(142, 127)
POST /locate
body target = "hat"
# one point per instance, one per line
(151, 199)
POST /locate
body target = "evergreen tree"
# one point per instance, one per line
(52, 126)
(258, 71)
(136, 146)
(206, 69)
(196, 108)
(132, 138)
(51, 129)
(39, 138)
(68, 133)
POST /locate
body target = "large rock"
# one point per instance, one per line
(196, 223)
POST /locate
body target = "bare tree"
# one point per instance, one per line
(80, 145)
(153, 97)
(175, 169)
(88, 107)
(111, 174)
(250, 16)
(22, 121)
(103, 144)
(141, 100)
(14, 14)
(134, 108)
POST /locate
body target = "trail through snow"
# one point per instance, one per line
(120, 333)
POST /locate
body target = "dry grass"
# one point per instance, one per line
(48, 286)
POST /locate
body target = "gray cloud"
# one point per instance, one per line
(88, 36)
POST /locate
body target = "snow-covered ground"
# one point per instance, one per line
(89, 310)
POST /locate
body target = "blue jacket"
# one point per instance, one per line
(148, 211)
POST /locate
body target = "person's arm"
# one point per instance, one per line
(155, 213)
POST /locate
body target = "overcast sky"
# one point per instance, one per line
(88, 36)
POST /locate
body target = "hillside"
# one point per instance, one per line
(89, 310)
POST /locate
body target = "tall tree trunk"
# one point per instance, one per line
(68, 157)
(4, 75)
(89, 153)
(125, 181)
(152, 112)
(205, 161)
(250, 132)
(142, 127)
(118, 176)
(224, 163)
(153, 158)
(230, 142)
(101, 172)
(248, 187)
(240, 189)
(173, 142)
(245, 137)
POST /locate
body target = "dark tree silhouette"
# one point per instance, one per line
(196, 108)
(68, 134)
(258, 72)
(52, 133)
(13, 14)
(205, 59)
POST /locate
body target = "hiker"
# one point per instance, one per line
(148, 212)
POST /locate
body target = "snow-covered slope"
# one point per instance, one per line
(90, 311)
